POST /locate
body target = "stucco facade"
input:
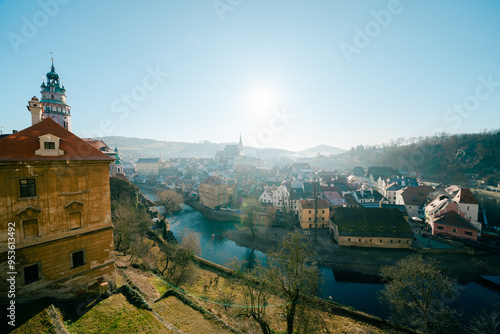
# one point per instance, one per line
(213, 192)
(58, 208)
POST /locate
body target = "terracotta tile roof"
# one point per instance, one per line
(453, 219)
(213, 180)
(464, 195)
(416, 195)
(100, 145)
(309, 204)
(21, 146)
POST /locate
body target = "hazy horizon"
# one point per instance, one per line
(282, 74)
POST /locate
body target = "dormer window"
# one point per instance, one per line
(49, 146)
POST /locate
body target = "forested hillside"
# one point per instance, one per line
(442, 157)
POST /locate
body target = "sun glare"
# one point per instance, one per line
(262, 101)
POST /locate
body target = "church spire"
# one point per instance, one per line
(240, 145)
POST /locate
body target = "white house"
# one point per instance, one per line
(467, 203)
(267, 196)
(281, 199)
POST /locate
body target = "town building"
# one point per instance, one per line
(267, 195)
(377, 227)
(454, 224)
(53, 99)
(309, 211)
(116, 166)
(213, 192)
(414, 199)
(229, 154)
(468, 203)
(281, 199)
(55, 202)
(148, 166)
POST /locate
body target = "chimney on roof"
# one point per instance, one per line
(35, 107)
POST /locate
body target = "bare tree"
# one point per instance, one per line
(178, 258)
(124, 231)
(414, 290)
(292, 269)
(171, 200)
(252, 206)
(271, 216)
(485, 322)
(256, 292)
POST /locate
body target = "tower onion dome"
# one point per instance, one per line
(52, 76)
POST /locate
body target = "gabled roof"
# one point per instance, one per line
(376, 222)
(416, 195)
(213, 180)
(309, 204)
(464, 195)
(377, 172)
(21, 146)
(100, 145)
(453, 219)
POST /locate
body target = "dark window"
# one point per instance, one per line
(77, 259)
(31, 273)
(468, 233)
(454, 230)
(49, 145)
(28, 188)
(348, 239)
(440, 227)
(30, 228)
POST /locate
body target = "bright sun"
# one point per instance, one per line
(262, 101)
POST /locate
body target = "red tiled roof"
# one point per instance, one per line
(309, 204)
(453, 219)
(416, 195)
(464, 195)
(21, 146)
(213, 180)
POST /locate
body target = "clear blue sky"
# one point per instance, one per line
(287, 74)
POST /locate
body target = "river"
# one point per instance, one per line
(471, 298)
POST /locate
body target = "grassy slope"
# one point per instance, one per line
(40, 323)
(116, 315)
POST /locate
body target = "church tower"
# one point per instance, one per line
(240, 145)
(54, 99)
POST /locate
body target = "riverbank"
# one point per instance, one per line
(213, 215)
(368, 261)
(487, 193)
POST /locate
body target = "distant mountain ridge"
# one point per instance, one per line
(166, 149)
